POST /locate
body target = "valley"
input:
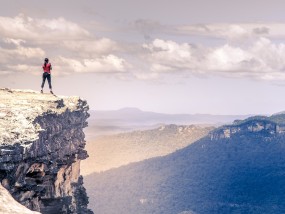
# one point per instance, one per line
(236, 168)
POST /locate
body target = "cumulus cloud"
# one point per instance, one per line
(105, 64)
(90, 47)
(27, 41)
(44, 30)
(261, 60)
(64, 66)
(251, 50)
(166, 56)
(16, 52)
(234, 31)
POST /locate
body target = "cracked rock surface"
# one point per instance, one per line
(10, 206)
(41, 145)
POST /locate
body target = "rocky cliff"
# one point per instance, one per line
(41, 145)
(256, 125)
(10, 206)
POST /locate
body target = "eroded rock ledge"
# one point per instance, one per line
(41, 145)
(268, 126)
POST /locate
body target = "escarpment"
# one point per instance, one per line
(267, 126)
(41, 146)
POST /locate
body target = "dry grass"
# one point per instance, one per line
(120, 149)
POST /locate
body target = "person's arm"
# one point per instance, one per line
(50, 67)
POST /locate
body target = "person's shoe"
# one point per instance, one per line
(42, 91)
(51, 92)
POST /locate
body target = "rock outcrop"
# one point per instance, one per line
(41, 145)
(253, 125)
(8, 205)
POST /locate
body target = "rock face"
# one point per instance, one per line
(254, 125)
(41, 145)
(10, 206)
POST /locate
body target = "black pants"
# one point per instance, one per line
(48, 77)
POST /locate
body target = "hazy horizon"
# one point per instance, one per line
(181, 113)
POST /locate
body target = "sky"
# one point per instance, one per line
(182, 56)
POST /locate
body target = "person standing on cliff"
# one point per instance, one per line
(46, 75)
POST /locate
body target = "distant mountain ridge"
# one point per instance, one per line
(135, 114)
(128, 119)
(241, 170)
(274, 124)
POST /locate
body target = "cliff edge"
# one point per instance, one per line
(41, 145)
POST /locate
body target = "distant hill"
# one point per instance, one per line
(236, 168)
(128, 119)
(112, 151)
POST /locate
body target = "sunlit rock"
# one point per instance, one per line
(41, 145)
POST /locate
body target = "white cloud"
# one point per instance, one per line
(44, 30)
(63, 66)
(18, 52)
(16, 42)
(226, 58)
(169, 55)
(262, 59)
(27, 52)
(91, 47)
(244, 50)
(235, 31)
(27, 41)
(105, 64)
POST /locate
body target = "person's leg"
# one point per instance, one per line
(49, 82)
(43, 82)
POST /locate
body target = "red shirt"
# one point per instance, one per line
(47, 67)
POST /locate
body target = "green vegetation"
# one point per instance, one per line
(276, 118)
(241, 174)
